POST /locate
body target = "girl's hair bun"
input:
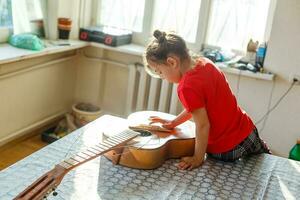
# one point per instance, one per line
(159, 35)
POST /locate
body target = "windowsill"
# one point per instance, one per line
(257, 75)
(10, 54)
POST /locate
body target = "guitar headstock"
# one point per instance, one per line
(43, 186)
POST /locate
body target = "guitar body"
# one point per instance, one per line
(149, 152)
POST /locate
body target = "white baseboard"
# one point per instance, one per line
(30, 128)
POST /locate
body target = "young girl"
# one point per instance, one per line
(223, 129)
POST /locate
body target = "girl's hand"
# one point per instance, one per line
(190, 163)
(165, 123)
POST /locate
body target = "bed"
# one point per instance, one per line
(257, 177)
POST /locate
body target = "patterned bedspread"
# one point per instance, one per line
(257, 177)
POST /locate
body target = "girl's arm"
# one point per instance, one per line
(181, 118)
(202, 130)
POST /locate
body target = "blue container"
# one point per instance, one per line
(260, 55)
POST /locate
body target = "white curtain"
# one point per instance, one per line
(24, 11)
(20, 16)
(233, 22)
(36, 9)
(180, 16)
(5, 13)
(124, 14)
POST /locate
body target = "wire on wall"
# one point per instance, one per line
(269, 106)
(276, 104)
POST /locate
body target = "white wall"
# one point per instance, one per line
(102, 84)
(29, 98)
(283, 58)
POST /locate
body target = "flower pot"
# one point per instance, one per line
(85, 113)
(64, 21)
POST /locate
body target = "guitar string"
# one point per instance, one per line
(133, 146)
(71, 146)
(73, 143)
(124, 146)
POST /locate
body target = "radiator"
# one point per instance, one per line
(148, 93)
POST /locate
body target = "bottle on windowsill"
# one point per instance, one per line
(260, 56)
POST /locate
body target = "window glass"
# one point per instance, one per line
(179, 16)
(123, 14)
(5, 13)
(233, 23)
(29, 16)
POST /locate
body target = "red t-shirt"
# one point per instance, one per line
(205, 86)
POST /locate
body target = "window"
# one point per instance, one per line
(177, 15)
(124, 14)
(223, 23)
(5, 13)
(233, 23)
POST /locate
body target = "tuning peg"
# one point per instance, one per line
(54, 192)
(45, 197)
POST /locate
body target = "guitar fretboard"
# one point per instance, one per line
(99, 149)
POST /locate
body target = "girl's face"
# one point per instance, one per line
(169, 71)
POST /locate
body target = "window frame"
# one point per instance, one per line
(142, 38)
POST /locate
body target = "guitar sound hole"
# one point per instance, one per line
(144, 133)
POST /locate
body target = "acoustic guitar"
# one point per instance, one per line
(149, 151)
(122, 146)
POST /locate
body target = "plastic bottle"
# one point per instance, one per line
(295, 151)
(260, 55)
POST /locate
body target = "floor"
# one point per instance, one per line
(17, 150)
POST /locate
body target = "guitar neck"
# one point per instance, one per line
(49, 181)
(98, 149)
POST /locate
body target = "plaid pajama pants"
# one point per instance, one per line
(250, 146)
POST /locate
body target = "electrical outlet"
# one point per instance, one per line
(294, 77)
